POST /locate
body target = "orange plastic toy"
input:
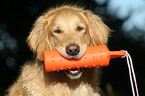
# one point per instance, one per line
(95, 56)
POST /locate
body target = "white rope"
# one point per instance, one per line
(132, 75)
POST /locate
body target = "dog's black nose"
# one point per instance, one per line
(72, 49)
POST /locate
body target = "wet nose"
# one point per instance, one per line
(72, 49)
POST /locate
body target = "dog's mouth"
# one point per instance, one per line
(73, 51)
(74, 73)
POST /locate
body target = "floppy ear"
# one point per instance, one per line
(98, 31)
(38, 38)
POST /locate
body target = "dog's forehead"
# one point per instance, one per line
(68, 16)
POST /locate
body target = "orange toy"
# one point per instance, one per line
(95, 56)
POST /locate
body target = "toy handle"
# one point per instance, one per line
(116, 54)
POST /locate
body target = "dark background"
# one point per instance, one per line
(16, 20)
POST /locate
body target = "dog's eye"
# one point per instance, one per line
(79, 28)
(57, 31)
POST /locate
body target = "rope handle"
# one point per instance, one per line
(131, 74)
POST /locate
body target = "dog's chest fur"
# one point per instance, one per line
(34, 81)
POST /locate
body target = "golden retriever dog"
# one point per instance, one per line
(68, 29)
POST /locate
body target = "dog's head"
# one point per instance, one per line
(69, 30)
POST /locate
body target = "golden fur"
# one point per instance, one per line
(34, 81)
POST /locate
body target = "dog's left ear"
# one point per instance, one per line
(37, 40)
(98, 31)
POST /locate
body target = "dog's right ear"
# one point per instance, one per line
(38, 38)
